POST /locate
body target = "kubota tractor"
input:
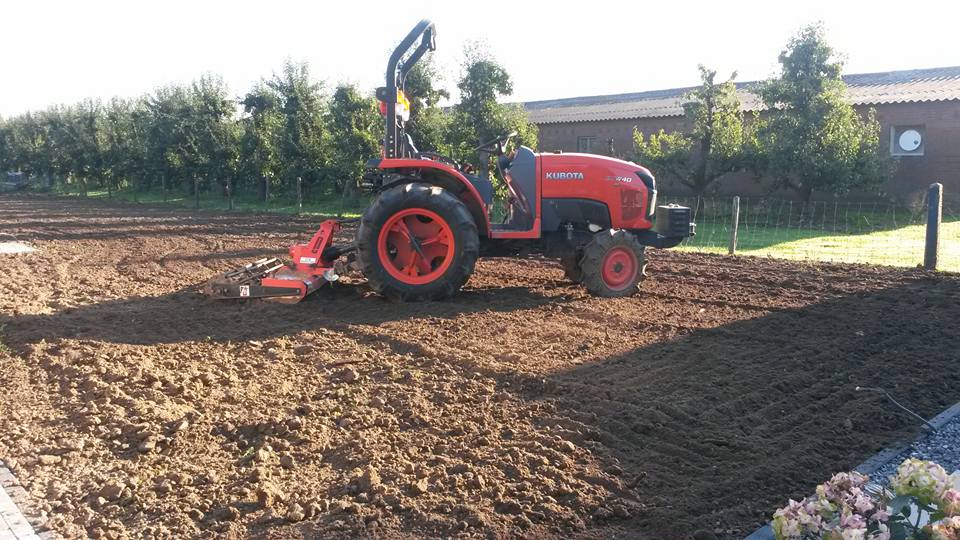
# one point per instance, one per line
(431, 219)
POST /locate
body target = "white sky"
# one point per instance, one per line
(63, 51)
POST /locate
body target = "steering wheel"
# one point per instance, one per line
(497, 146)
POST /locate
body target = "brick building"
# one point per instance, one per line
(919, 113)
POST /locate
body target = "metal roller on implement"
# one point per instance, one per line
(312, 265)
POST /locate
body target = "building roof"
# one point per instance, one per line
(908, 86)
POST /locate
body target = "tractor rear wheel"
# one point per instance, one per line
(417, 242)
(571, 267)
(612, 264)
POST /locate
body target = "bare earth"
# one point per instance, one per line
(134, 407)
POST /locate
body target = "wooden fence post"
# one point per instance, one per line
(732, 248)
(934, 217)
(299, 195)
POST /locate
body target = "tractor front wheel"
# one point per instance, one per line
(612, 264)
(417, 242)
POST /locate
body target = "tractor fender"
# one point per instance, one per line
(442, 175)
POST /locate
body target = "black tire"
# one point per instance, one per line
(434, 199)
(625, 247)
(571, 267)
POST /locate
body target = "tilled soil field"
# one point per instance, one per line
(133, 407)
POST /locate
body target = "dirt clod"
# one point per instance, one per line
(49, 459)
(112, 490)
(370, 479)
(419, 487)
(295, 512)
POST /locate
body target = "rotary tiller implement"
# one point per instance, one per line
(312, 265)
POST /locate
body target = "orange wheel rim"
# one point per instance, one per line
(619, 268)
(416, 246)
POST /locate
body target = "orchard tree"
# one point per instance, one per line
(214, 132)
(813, 139)
(301, 140)
(192, 134)
(429, 124)
(6, 150)
(355, 133)
(261, 132)
(33, 146)
(479, 116)
(711, 149)
(124, 144)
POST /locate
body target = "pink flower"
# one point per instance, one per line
(947, 529)
(883, 533)
(863, 504)
(949, 502)
(852, 521)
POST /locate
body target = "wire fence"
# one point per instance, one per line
(849, 232)
(834, 231)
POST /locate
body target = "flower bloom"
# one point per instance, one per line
(949, 502)
(794, 521)
(924, 480)
(947, 529)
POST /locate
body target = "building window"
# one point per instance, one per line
(907, 140)
(586, 144)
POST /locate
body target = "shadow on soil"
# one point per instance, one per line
(187, 316)
(720, 427)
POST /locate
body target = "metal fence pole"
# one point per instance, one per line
(196, 192)
(734, 225)
(299, 195)
(163, 186)
(934, 217)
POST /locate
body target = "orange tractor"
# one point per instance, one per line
(430, 218)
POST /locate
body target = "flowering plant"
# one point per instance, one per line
(923, 503)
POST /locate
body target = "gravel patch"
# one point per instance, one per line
(942, 447)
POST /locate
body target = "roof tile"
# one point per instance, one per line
(915, 85)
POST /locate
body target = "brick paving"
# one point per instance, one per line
(13, 525)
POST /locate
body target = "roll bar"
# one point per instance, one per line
(395, 140)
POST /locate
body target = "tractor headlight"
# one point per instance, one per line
(651, 184)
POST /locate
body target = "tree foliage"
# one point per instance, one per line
(479, 116)
(300, 145)
(813, 139)
(714, 145)
(429, 123)
(356, 130)
(283, 130)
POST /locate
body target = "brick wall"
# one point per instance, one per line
(940, 162)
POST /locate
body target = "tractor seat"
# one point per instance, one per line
(484, 187)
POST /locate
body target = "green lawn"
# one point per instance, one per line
(858, 235)
(902, 246)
